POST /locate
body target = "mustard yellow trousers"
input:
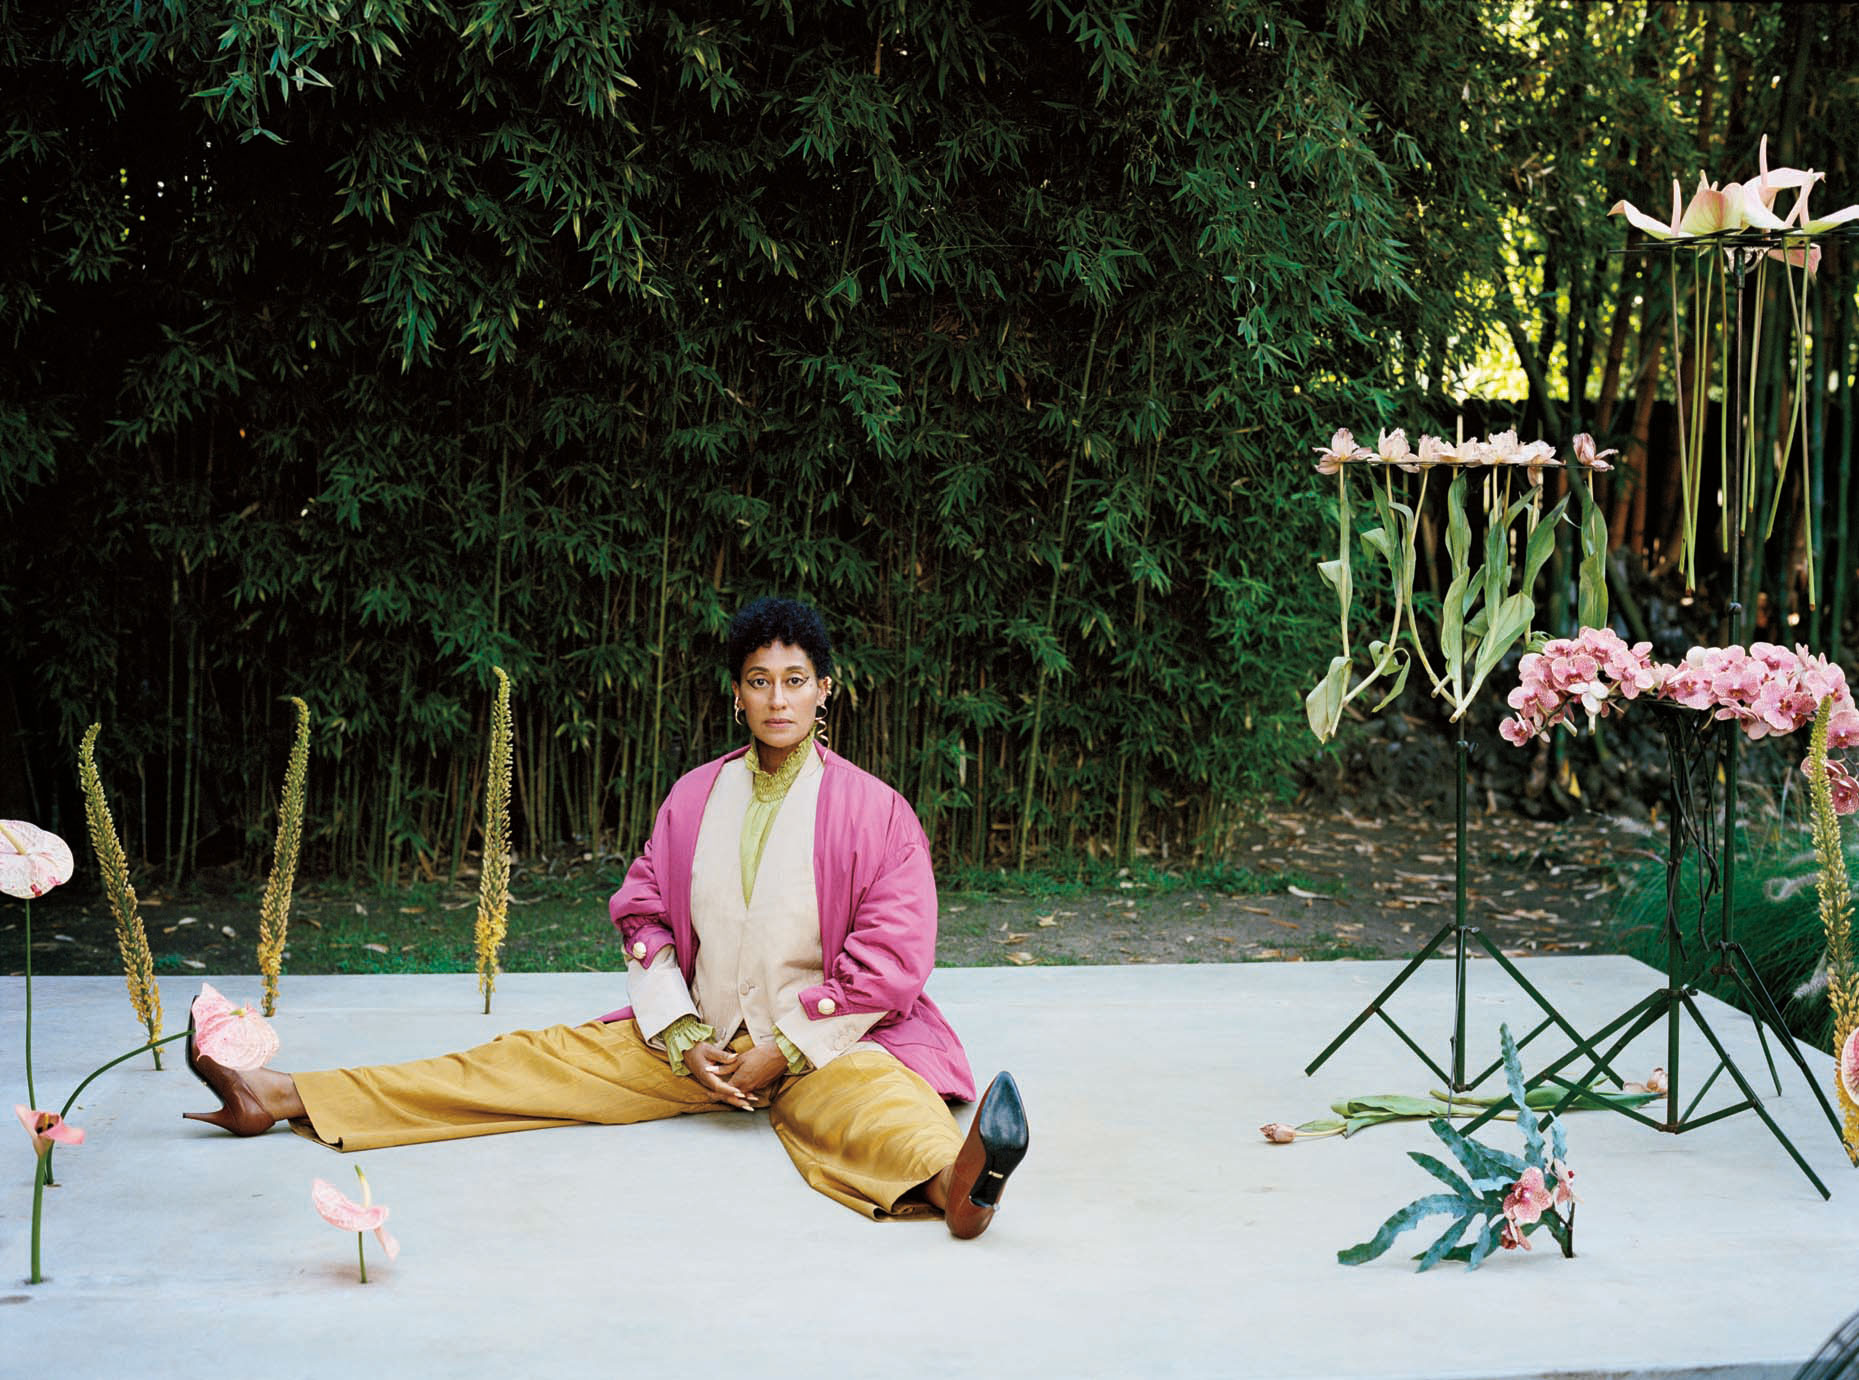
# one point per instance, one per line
(864, 1130)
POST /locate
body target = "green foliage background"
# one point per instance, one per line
(356, 346)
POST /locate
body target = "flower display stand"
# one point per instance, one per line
(1462, 936)
(1701, 833)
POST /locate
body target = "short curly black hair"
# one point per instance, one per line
(764, 621)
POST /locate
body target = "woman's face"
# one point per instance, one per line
(779, 695)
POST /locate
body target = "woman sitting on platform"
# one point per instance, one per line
(779, 928)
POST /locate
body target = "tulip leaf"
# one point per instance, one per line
(1400, 683)
(1336, 574)
(1591, 594)
(1542, 545)
(1509, 623)
(1324, 704)
(1418, 1210)
(1376, 540)
(1452, 625)
(1458, 526)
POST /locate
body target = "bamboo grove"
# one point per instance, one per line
(355, 350)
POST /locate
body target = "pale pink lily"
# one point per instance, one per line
(1528, 1199)
(345, 1214)
(32, 861)
(1342, 448)
(1716, 210)
(236, 1036)
(1849, 1068)
(45, 1128)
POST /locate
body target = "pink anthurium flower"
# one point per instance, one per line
(46, 1127)
(347, 1215)
(236, 1036)
(32, 861)
(1849, 1067)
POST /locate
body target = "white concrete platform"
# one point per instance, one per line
(1151, 1231)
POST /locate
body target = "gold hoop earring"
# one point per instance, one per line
(819, 723)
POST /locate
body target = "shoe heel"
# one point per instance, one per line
(1002, 1125)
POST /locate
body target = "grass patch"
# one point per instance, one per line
(1777, 919)
(1227, 878)
(1324, 947)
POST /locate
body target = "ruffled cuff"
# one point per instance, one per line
(679, 1036)
(796, 1061)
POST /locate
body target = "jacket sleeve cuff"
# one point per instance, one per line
(823, 1000)
(824, 1040)
(659, 994)
(679, 1036)
(797, 1063)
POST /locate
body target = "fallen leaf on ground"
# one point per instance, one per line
(375, 948)
(1012, 939)
(1021, 957)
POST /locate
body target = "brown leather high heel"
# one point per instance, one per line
(240, 1111)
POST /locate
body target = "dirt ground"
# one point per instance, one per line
(1376, 887)
(1353, 887)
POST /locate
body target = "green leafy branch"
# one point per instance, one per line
(1500, 1197)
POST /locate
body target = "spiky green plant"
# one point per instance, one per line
(131, 938)
(494, 875)
(1836, 914)
(274, 910)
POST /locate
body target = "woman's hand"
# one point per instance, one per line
(712, 1066)
(757, 1070)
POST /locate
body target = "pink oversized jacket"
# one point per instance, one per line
(877, 900)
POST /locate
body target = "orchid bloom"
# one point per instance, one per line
(32, 861)
(1342, 448)
(235, 1036)
(1510, 1239)
(46, 1127)
(1849, 1067)
(1565, 1183)
(1528, 1199)
(347, 1215)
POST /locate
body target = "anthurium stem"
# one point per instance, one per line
(361, 1254)
(32, 1097)
(71, 1101)
(38, 1204)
